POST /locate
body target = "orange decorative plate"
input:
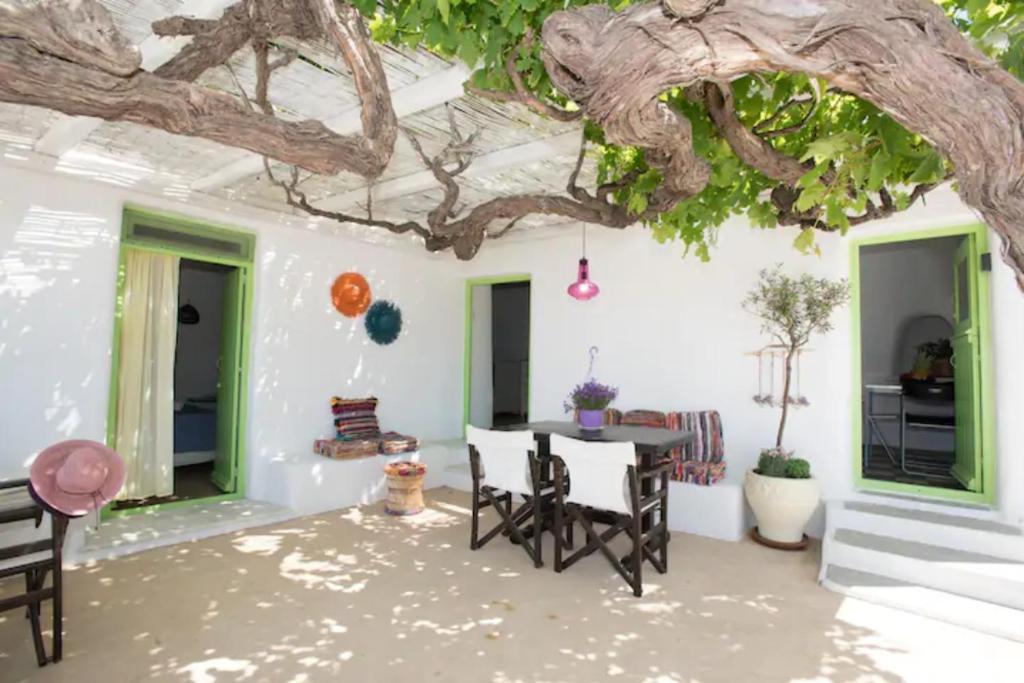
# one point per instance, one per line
(351, 294)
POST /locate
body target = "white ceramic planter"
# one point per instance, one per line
(782, 506)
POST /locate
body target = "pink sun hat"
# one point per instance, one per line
(76, 477)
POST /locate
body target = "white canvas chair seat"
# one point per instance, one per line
(605, 486)
(507, 462)
(597, 472)
(505, 457)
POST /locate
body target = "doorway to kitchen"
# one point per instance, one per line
(920, 307)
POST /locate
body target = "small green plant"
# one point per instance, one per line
(777, 463)
(772, 463)
(798, 468)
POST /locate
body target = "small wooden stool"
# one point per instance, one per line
(405, 487)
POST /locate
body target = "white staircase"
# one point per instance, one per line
(960, 568)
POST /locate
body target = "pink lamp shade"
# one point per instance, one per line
(583, 289)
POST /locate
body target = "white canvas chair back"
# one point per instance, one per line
(597, 472)
(505, 458)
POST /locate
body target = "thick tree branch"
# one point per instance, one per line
(84, 68)
(78, 32)
(465, 234)
(215, 41)
(522, 94)
(347, 30)
(750, 148)
(903, 56)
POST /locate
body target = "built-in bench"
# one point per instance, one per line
(310, 483)
(716, 511)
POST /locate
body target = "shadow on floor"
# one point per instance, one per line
(359, 595)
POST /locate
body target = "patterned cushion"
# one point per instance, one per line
(644, 418)
(346, 450)
(701, 473)
(392, 443)
(355, 418)
(708, 447)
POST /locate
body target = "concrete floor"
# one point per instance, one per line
(356, 595)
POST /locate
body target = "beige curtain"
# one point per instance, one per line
(145, 397)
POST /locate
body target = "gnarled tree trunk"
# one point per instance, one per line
(903, 56)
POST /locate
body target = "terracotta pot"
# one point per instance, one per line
(942, 367)
(782, 506)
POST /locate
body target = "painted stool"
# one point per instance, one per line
(405, 487)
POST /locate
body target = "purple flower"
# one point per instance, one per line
(591, 395)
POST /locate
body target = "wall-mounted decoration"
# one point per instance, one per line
(350, 294)
(188, 314)
(768, 358)
(383, 322)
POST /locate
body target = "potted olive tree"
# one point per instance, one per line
(781, 491)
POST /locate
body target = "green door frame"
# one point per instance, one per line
(467, 360)
(244, 262)
(979, 233)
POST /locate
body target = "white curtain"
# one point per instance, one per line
(145, 397)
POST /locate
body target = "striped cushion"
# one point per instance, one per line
(346, 450)
(644, 418)
(355, 418)
(708, 446)
(392, 443)
(701, 473)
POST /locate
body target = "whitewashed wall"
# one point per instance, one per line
(58, 257)
(671, 330)
(672, 335)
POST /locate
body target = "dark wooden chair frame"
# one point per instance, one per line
(650, 541)
(35, 572)
(523, 524)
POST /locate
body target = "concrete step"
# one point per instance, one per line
(968, 533)
(975, 575)
(963, 611)
(146, 531)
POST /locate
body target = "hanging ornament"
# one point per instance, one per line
(188, 314)
(383, 322)
(583, 289)
(759, 396)
(590, 368)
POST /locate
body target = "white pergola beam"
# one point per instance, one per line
(70, 131)
(426, 93)
(484, 165)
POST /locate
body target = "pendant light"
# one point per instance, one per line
(188, 314)
(583, 289)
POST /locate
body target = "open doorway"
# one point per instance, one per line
(201, 290)
(920, 312)
(179, 376)
(498, 352)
